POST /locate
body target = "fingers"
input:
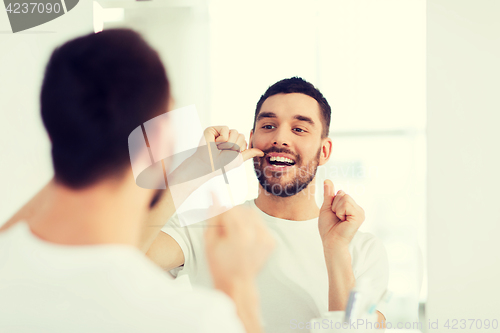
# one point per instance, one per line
(247, 225)
(216, 134)
(222, 133)
(241, 143)
(235, 226)
(225, 138)
(242, 249)
(341, 204)
(329, 194)
(232, 225)
(215, 210)
(251, 153)
(216, 226)
(216, 205)
(214, 229)
(231, 142)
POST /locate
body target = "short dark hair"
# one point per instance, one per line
(97, 89)
(298, 85)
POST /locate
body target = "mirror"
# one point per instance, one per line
(366, 57)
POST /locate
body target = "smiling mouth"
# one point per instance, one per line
(280, 161)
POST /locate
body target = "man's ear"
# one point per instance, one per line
(250, 140)
(326, 150)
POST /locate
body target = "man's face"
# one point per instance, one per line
(288, 130)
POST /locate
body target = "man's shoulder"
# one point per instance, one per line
(249, 203)
(364, 236)
(367, 249)
(8, 230)
(365, 241)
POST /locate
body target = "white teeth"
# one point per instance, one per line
(280, 159)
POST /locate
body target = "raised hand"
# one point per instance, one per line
(339, 218)
(237, 245)
(219, 148)
(227, 139)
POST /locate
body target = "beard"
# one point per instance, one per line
(274, 183)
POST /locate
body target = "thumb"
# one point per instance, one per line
(251, 153)
(215, 223)
(216, 207)
(329, 194)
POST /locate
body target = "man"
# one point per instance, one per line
(320, 253)
(71, 264)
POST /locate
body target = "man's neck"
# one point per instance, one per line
(99, 215)
(299, 207)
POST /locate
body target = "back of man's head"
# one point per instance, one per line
(96, 90)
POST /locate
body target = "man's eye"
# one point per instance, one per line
(267, 126)
(300, 130)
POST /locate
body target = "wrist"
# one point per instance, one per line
(237, 288)
(245, 297)
(337, 255)
(336, 245)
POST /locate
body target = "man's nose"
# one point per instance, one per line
(280, 139)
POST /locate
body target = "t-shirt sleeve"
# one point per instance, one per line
(183, 237)
(373, 268)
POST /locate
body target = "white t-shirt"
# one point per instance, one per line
(293, 285)
(46, 287)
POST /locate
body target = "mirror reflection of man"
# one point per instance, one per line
(320, 253)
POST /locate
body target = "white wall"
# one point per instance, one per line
(463, 66)
(179, 32)
(24, 147)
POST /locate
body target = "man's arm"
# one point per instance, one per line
(200, 163)
(341, 279)
(166, 252)
(237, 246)
(339, 220)
(164, 210)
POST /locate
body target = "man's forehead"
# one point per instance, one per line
(290, 106)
